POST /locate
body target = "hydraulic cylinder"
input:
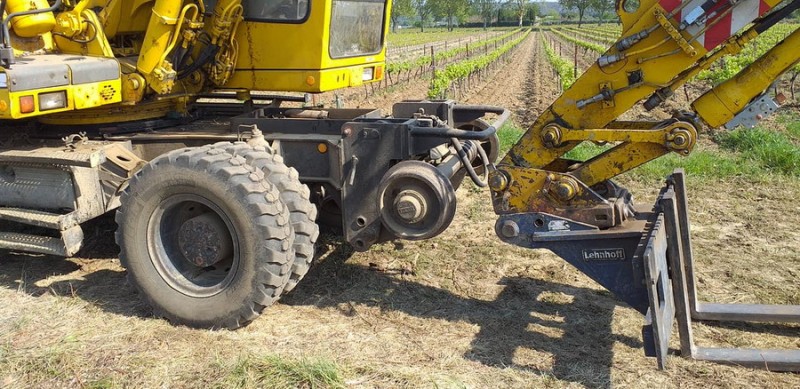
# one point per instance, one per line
(723, 102)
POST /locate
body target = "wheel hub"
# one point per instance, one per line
(204, 240)
(416, 200)
(410, 206)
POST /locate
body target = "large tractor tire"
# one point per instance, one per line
(205, 238)
(294, 194)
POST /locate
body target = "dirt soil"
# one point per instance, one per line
(460, 310)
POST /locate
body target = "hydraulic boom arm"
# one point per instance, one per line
(664, 43)
(644, 256)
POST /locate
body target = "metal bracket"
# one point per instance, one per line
(759, 109)
(658, 320)
(610, 257)
(72, 141)
(675, 34)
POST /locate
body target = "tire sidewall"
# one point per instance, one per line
(175, 180)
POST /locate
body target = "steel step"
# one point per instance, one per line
(90, 156)
(37, 218)
(66, 246)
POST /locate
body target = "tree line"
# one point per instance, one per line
(455, 12)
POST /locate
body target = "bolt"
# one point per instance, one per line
(498, 181)
(551, 136)
(565, 189)
(679, 140)
(509, 229)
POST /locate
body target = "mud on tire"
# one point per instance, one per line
(205, 238)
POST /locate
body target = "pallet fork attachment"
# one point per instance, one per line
(674, 242)
(648, 264)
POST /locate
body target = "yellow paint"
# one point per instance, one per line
(531, 152)
(159, 73)
(300, 51)
(29, 26)
(97, 94)
(253, 54)
(11, 99)
(639, 142)
(79, 25)
(223, 29)
(721, 104)
(305, 80)
(665, 59)
(78, 97)
(133, 88)
(116, 113)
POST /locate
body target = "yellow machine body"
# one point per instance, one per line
(172, 50)
(77, 97)
(305, 55)
(160, 31)
(29, 26)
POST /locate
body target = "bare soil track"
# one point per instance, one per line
(460, 310)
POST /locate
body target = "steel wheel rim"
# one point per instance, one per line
(166, 256)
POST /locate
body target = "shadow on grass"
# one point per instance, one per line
(579, 339)
(89, 275)
(571, 324)
(105, 288)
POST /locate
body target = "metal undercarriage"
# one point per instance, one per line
(343, 155)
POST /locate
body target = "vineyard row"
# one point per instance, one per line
(455, 74)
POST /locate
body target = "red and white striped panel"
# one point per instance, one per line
(744, 12)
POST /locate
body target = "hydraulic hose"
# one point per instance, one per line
(446, 132)
(465, 161)
(7, 20)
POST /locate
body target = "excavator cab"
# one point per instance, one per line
(310, 46)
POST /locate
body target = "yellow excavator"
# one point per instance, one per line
(156, 109)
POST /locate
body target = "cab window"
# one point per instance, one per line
(356, 27)
(287, 11)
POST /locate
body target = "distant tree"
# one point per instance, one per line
(506, 13)
(423, 9)
(580, 6)
(567, 14)
(450, 10)
(601, 8)
(520, 7)
(400, 8)
(551, 15)
(485, 9)
(534, 11)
